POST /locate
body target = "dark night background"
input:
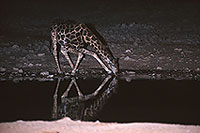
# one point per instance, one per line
(22, 14)
(145, 35)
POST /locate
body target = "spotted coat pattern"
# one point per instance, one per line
(74, 37)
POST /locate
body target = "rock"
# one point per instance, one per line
(15, 80)
(15, 46)
(127, 58)
(30, 64)
(178, 49)
(135, 44)
(131, 73)
(128, 51)
(2, 69)
(47, 42)
(152, 55)
(38, 64)
(128, 79)
(159, 68)
(162, 58)
(50, 76)
(45, 48)
(33, 74)
(30, 45)
(131, 25)
(158, 76)
(41, 54)
(20, 71)
(36, 44)
(12, 57)
(124, 38)
(31, 51)
(131, 39)
(15, 69)
(44, 73)
(123, 25)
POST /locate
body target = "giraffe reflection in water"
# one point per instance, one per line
(83, 107)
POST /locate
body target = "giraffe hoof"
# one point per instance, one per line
(73, 73)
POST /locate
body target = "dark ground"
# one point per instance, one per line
(153, 39)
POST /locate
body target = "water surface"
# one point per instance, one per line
(106, 100)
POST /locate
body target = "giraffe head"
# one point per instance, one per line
(114, 65)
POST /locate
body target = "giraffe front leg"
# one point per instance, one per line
(85, 51)
(56, 56)
(80, 58)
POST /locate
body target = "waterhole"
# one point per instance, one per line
(105, 99)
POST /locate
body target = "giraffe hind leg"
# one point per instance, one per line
(66, 54)
(56, 55)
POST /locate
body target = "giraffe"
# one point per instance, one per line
(72, 37)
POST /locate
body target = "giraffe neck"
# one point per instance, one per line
(100, 48)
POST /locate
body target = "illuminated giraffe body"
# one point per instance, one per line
(71, 37)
